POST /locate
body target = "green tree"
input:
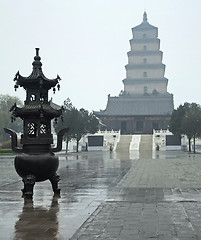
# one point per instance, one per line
(186, 119)
(85, 123)
(65, 121)
(80, 122)
(6, 102)
(175, 125)
(191, 123)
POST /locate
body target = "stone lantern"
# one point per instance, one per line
(36, 160)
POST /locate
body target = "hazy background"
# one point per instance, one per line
(86, 43)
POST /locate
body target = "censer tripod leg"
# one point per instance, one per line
(54, 181)
(29, 182)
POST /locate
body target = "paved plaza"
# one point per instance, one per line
(110, 196)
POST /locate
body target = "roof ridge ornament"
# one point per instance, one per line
(37, 51)
(145, 17)
(37, 65)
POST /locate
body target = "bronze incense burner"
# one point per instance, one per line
(36, 160)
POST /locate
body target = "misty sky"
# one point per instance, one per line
(86, 43)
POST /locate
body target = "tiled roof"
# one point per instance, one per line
(144, 25)
(139, 106)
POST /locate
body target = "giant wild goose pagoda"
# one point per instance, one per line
(144, 104)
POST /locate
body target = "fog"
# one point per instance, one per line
(86, 43)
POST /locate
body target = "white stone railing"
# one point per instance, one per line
(159, 139)
(111, 139)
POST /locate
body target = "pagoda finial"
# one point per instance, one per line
(37, 63)
(145, 17)
(37, 51)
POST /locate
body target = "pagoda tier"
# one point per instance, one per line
(44, 110)
(37, 77)
(37, 111)
(36, 84)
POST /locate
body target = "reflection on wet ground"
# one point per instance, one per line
(89, 181)
(37, 222)
(94, 170)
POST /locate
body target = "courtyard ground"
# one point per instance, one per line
(110, 196)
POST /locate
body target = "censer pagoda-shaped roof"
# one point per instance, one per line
(36, 78)
(37, 86)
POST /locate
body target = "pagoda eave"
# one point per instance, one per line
(35, 111)
(145, 66)
(32, 81)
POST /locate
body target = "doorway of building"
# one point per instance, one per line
(123, 127)
(139, 126)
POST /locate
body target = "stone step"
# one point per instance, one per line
(141, 142)
(124, 143)
(145, 143)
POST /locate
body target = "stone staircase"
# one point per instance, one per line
(124, 143)
(145, 143)
(142, 143)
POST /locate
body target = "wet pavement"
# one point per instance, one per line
(107, 196)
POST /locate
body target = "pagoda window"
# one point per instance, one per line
(144, 35)
(43, 129)
(144, 60)
(33, 97)
(32, 129)
(145, 74)
(145, 89)
(42, 98)
(145, 48)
